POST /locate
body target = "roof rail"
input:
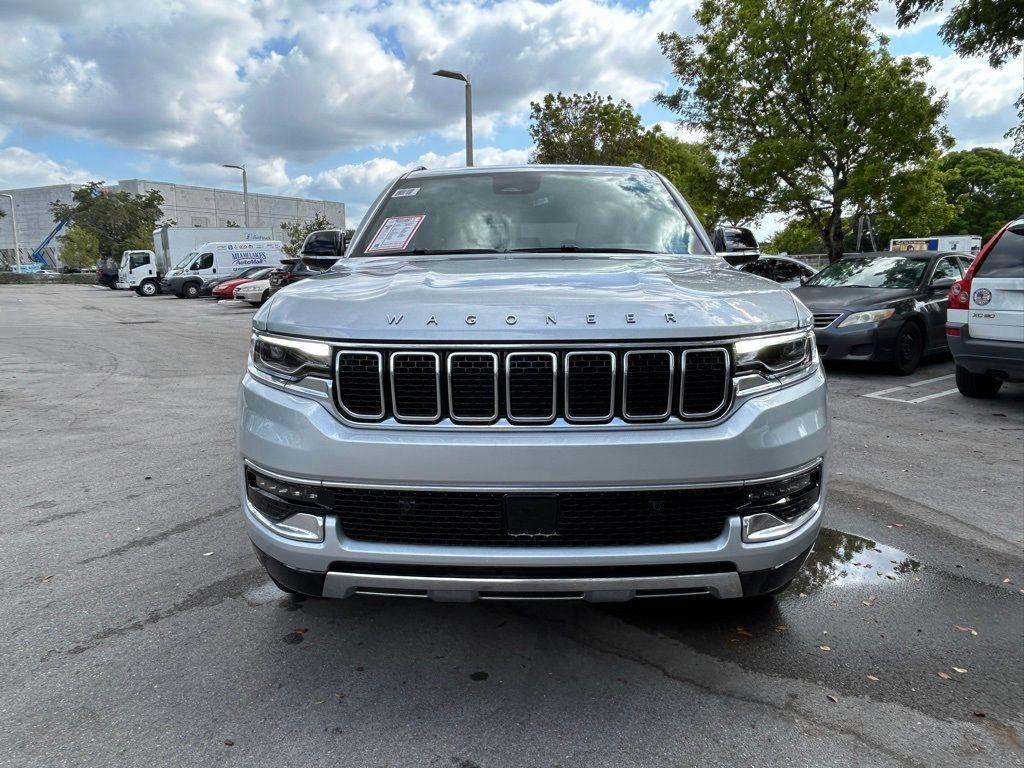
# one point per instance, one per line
(637, 165)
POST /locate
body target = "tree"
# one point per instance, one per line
(80, 247)
(296, 232)
(993, 28)
(986, 186)
(811, 115)
(121, 221)
(588, 129)
(232, 224)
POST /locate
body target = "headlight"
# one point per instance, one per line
(871, 316)
(775, 354)
(292, 358)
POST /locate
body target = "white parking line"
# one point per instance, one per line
(883, 394)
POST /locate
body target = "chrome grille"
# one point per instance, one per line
(524, 385)
(825, 319)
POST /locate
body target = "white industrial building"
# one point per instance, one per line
(186, 205)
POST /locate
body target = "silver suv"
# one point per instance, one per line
(532, 382)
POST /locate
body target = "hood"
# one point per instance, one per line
(530, 297)
(821, 298)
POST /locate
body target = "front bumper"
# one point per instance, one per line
(768, 435)
(864, 342)
(1002, 358)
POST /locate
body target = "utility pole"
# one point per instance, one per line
(14, 229)
(245, 191)
(469, 109)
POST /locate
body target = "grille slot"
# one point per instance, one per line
(473, 386)
(705, 382)
(585, 518)
(647, 384)
(589, 386)
(361, 384)
(416, 386)
(531, 386)
(825, 319)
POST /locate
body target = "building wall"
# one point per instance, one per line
(187, 205)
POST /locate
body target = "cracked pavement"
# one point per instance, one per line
(141, 629)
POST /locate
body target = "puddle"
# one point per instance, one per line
(842, 560)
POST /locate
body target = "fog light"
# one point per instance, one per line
(776, 509)
(292, 510)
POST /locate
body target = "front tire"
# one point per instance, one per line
(148, 288)
(908, 349)
(976, 384)
(191, 291)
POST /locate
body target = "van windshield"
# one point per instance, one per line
(184, 262)
(531, 211)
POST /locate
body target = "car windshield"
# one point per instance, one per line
(885, 272)
(530, 211)
(181, 264)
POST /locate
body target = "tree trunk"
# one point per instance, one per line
(832, 237)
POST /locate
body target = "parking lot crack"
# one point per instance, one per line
(156, 538)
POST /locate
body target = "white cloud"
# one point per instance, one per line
(677, 131)
(884, 21)
(22, 168)
(974, 88)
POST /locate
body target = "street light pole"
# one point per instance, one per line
(245, 191)
(469, 109)
(14, 229)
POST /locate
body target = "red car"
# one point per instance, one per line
(226, 290)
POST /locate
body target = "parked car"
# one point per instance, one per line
(107, 276)
(226, 288)
(255, 292)
(290, 271)
(883, 306)
(785, 270)
(532, 382)
(985, 323)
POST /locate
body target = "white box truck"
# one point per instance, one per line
(963, 243)
(213, 262)
(143, 270)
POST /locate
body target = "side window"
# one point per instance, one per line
(205, 261)
(946, 269)
(762, 268)
(138, 260)
(964, 263)
(1006, 259)
(785, 271)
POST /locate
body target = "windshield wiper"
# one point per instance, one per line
(448, 252)
(577, 249)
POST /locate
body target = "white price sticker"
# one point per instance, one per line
(395, 233)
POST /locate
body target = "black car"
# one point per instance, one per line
(107, 276)
(290, 271)
(883, 306)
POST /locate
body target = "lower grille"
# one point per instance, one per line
(585, 518)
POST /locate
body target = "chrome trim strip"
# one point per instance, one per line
(625, 385)
(380, 380)
(565, 379)
(540, 345)
(723, 403)
(342, 584)
(508, 389)
(783, 528)
(536, 488)
(451, 404)
(305, 527)
(437, 386)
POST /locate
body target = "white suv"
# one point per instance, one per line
(985, 316)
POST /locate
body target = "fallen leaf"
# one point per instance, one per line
(870, 601)
(897, 525)
(978, 713)
(1006, 580)
(207, 554)
(47, 578)
(972, 630)
(802, 594)
(743, 632)
(781, 628)
(319, 701)
(961, 670)
(833, 699)
(891, 576)
(872, 678)
(227, 742)
(944, 675)
(824, 648)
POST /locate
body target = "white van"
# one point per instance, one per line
(213, 262)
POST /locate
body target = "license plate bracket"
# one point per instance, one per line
(531, 514)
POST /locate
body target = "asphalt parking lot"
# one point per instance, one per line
(139, 627)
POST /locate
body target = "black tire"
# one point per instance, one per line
(191, 290)
(148, 288)
(976, 384)
(112, 287)
(264, 298)
(908, 349)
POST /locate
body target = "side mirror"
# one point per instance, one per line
(322, 249)
(804, 279)
(942, 285)
(737, 245)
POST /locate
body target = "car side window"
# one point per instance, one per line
(946, 269)
(762, 268)
(786, 271)
(205, 261)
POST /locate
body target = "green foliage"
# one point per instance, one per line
(986, 186)
(811, 114)
(587, 129)
(120, 221)
(232, 224)
(295, 234)
(993, 28)
(797, 236)
(79, 247)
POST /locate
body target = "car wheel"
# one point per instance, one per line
(264, 297)
(112, 287)
(148, 288)
(908, 349)
(191, 291)
(976, 384)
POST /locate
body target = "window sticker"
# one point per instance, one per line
(395, 233)
(406, 192)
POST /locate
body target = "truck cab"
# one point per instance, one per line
(139, 272)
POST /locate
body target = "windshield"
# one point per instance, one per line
(545, 211)
(184, 262)
(887, 272)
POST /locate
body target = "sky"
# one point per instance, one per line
(332, 99)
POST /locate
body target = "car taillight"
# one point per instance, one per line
(960, 293)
